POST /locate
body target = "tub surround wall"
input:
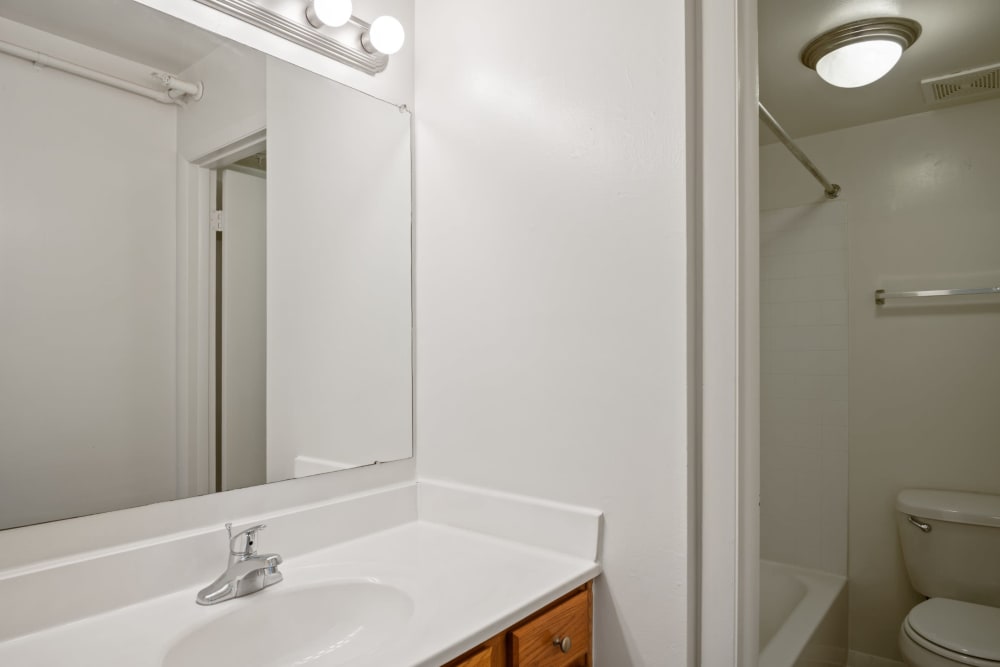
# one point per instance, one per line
(552, 282)
(921, 196)
(803, 444)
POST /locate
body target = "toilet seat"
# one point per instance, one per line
(962, 632)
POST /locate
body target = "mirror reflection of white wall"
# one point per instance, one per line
(338, 270)
(114, 390)
(87, 294)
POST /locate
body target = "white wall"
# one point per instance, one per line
(87, 243)
(920, 192)
(552, 278)
(803, 444)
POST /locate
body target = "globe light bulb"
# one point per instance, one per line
(333, 13)
(386, 35)
(858, 64)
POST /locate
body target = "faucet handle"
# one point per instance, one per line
(244, 543)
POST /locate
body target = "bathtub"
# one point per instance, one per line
(803, 617)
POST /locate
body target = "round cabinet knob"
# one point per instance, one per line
(563, 643)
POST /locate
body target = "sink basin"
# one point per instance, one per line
(327, 623)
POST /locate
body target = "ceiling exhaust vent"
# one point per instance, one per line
(968, 86)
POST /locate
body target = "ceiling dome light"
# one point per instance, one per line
(861, 52)
(386, 35)
(858, 64)
(333, 13)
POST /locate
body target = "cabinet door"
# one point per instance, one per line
(489, 654)
(483, 658)
(561, 637)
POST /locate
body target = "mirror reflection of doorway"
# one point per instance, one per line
(240, 303)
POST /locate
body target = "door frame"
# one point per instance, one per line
(727, 279)
(224, 455)
(196, 325)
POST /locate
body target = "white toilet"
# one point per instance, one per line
(951, 546)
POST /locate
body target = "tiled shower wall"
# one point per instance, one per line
(804, 386)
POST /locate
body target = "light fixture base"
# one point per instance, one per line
(903, 31)
(313, 17)
(366, 42)
(346, 50)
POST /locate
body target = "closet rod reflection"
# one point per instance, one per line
(45, 60)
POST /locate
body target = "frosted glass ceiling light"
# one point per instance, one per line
(333, 13)
(386, 35)
(861, 52)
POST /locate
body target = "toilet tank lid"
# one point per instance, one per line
(978, 509)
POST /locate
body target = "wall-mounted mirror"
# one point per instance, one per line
(201, 289)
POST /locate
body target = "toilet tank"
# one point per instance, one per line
(956, 552)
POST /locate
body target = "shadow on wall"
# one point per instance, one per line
(610, 637)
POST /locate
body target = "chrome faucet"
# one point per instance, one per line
(248, 571)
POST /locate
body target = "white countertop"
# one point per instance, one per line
(466, 587)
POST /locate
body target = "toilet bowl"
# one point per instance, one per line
(947, 633)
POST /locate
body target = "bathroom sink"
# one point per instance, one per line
(327, 623)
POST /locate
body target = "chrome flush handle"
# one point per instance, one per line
(922, 525)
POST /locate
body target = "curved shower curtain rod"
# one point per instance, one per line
(831, 190)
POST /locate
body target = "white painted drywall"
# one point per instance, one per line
(87, 292)
(920, 192)
(803, 443)
(338, 274)
(552, 282)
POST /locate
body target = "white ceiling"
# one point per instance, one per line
(957, 35)
(121, 27)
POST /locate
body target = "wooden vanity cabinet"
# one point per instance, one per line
(490, 654)
(560, 635)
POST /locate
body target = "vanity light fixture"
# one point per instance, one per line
(324, 26)
(333, 13)
(861, 52)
